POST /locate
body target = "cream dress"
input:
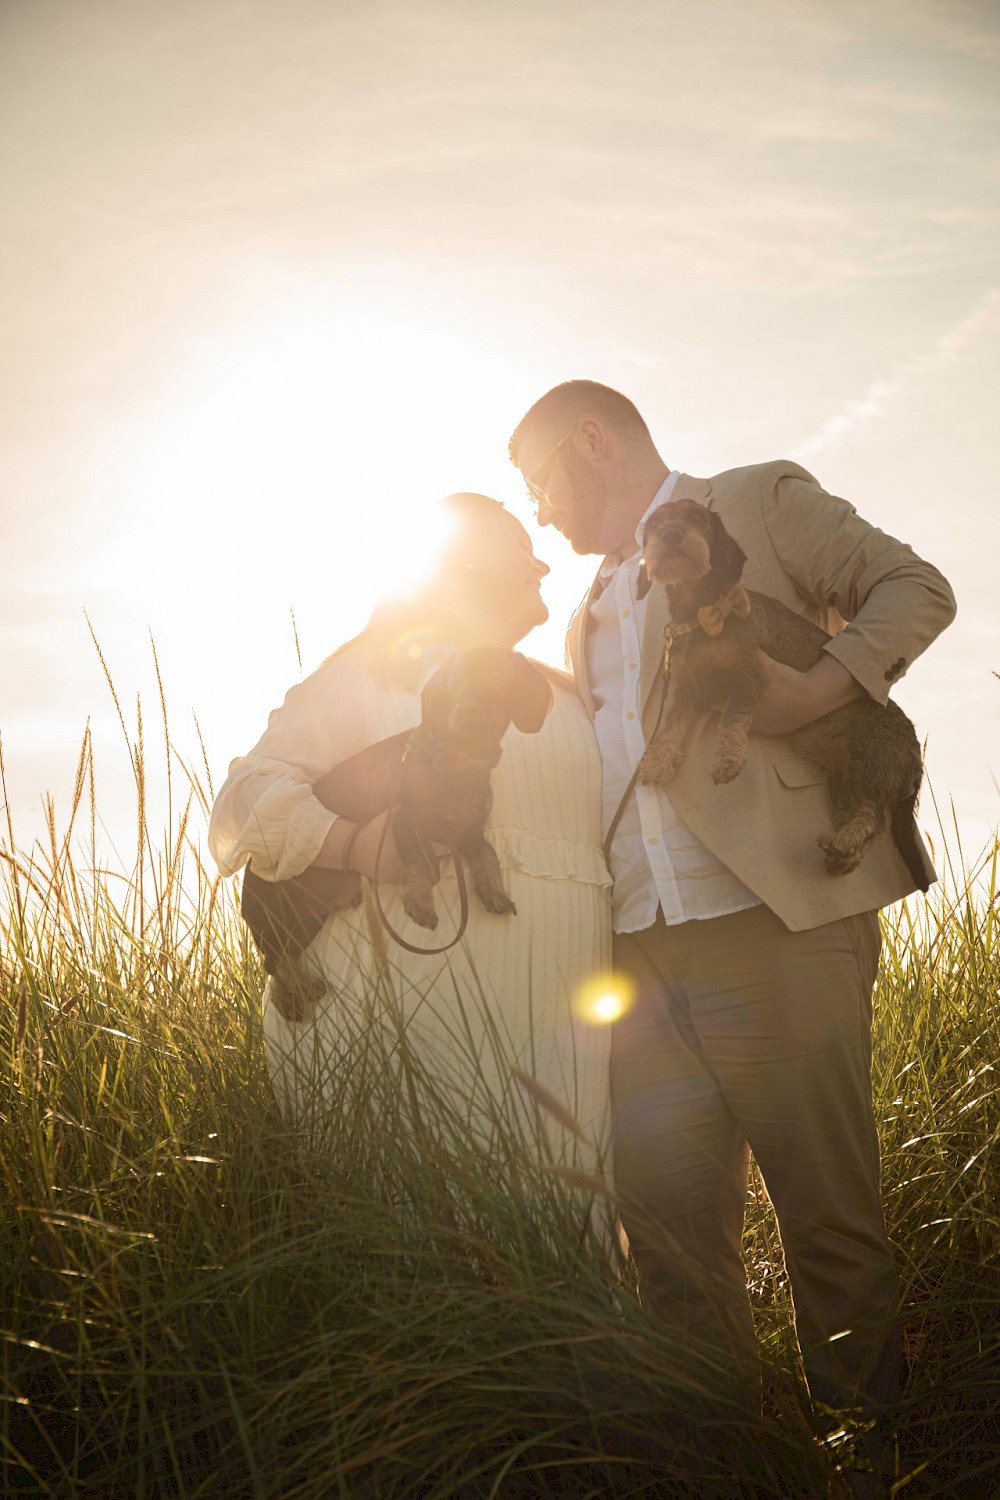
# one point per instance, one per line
(513, 995)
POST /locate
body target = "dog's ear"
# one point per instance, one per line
(727, 556)
(643, 583)
(435, 700)
(531, 697)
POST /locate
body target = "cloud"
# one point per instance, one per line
(885, 391)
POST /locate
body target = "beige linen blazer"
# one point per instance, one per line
(882, 606)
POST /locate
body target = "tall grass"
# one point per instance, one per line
(200, 1299)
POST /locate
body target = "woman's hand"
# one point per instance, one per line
(364, 850)
(791, 699)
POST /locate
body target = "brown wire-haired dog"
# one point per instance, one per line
(437, 778)
(870, 753)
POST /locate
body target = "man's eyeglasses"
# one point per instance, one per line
(535, 492)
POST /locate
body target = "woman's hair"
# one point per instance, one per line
(470, 511)
(400, 629)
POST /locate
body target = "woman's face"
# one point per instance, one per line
(501, 582)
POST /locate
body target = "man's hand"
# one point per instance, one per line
(791, 699)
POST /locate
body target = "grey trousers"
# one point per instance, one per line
(744, 1036)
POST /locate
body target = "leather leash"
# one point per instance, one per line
(463, 889)
(620, 810)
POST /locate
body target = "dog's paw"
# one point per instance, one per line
(420, 909)
(840, 858)
(495, 899)
(294, 994)
(727, 768)
(659, 765)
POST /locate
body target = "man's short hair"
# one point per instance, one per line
(574, 400)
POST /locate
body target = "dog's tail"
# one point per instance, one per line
(904, 832)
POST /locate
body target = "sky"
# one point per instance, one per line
(275, 276)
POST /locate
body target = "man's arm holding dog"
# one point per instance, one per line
(791, 699)
(895, 603)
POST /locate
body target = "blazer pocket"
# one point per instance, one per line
(795, 771)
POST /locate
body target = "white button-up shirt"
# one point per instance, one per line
(655, 858)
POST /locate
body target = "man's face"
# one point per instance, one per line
(568, 488)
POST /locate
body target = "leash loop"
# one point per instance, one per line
(463, 889)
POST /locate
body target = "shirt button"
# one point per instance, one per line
(652, 840)
(630, 715)
(632, 665)
(626, 613)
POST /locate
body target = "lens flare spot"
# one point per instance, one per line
(412, 646)
(603, 999)
(607, 1007)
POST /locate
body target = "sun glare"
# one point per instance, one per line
(305, 450)
(604, 999)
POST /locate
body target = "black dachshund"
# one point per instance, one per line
(436, 779)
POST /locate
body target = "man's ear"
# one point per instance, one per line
(531, 697)
(594, 437)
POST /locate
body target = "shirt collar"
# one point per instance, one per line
(614, 560)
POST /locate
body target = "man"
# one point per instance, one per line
(752, 967)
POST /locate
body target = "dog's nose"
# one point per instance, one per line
(672, 536)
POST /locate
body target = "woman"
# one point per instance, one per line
(509, 995)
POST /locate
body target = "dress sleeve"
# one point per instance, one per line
(894, 602)
(266, 811)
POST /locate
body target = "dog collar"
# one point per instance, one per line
(444, 756)
(710, 618)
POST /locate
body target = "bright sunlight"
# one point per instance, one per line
(304, 449)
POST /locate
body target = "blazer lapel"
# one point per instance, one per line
(658, 615)
(576, 644)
